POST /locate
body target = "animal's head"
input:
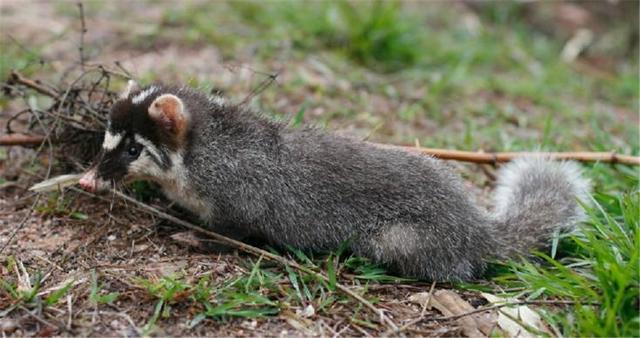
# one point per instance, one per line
(147, 128)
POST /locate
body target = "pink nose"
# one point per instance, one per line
(88, 181)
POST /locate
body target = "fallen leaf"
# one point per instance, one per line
(420, 298)
(515, 320)
(307, 312)
(140, 248)
(451, 304)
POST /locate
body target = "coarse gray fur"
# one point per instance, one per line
(313, 190)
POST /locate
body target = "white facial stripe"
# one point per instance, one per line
(150, 147)
(144, 166)
(111, 141)
(219, 100)
(143, 95)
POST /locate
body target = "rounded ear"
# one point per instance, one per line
(132, 85)
(168, 112)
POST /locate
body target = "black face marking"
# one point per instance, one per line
(113, 164)
(133, 118)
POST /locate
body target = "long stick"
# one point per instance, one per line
(501, 157)
(20, 140)
(444, 154)
(493, 158)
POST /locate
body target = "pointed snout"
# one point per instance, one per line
(89, 181)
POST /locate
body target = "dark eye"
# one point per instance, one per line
(133, 151)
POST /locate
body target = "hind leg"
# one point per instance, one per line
(415, 252)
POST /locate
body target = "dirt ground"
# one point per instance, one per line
(71, 240)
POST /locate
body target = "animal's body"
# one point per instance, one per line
(245, 175)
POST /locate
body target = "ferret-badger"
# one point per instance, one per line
(245, 175)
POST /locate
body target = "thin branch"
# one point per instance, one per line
(502, 157)
(524, 302)
(264, 84)
(20, 140)
(13, 118)
(47, 140)
(18, 78)
(124, 70)
(259, 252)
(83, 31)
(41, 320)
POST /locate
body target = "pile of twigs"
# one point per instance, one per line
(72, 116)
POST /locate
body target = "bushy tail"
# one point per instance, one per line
(534, 198)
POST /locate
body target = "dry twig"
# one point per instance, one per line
(502, 157)
(262, 86)
(18, 78)
(83, 31)
(20, 140)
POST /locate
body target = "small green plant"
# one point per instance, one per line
(27, 295)
(23, 295)
(166, 290)
(299, 117)
(380, 37)
(366, 270)
(15, 57)
(58, 204)
(245, 296)
(56, 295)
(96, 296)
(144, 190)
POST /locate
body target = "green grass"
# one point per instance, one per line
(598, 271)
(596, 267)
(266, 289)
(498, 86)
(57, 204)
(96, 294)
(372, 34)
(28, 295)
